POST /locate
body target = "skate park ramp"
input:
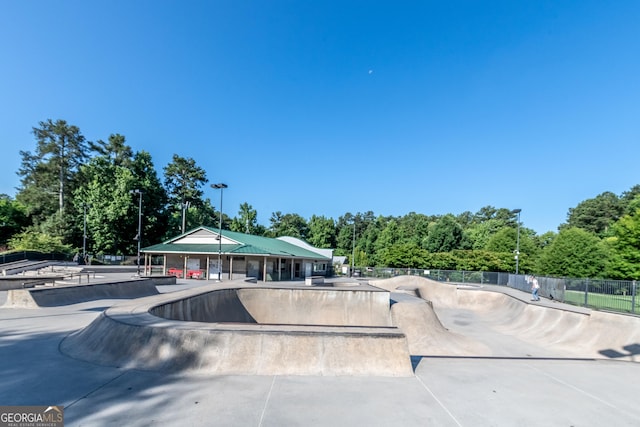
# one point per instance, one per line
(442, 319)
(239, 328)
(59, 295)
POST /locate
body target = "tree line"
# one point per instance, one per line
(69, 184)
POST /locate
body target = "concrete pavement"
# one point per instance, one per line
(521, 382)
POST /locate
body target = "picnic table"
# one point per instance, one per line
(175, 272)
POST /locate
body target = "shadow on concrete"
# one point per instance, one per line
(34, 372)
(415, 361)
(96, 309)
(219, 306)
(631, 351)
(580, 359)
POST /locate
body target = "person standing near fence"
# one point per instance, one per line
(535, 287)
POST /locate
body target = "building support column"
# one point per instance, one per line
(184, 267)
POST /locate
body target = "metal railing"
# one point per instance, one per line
(600, 294)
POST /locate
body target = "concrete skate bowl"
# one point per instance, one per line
(55, 296)
(501, 322)
(245, 329)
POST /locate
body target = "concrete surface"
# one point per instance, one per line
(53, 296)
(240, 301)
(522, 382)
(129, 335)
(463, 321)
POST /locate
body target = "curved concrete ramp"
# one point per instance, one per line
(328, 306)
(128, 335)
(66, 295)
(477, 322)
(425, 333)
(563, 328)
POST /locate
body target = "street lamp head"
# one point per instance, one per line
(516, 211)
(219, 186)
(136, 191)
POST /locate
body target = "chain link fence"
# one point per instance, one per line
(612, 295)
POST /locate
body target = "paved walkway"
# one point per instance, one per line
(527, 386)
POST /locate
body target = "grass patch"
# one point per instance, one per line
(602, 301)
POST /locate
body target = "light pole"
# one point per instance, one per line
(517, 211)
(185, 207)
(139, 235)
(220, 187)
(84, 235)
(353, 248)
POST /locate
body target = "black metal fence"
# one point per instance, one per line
(612, 295)
(33, 256)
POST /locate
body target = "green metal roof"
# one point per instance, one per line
(247, 244)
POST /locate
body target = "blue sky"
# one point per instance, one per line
(342, 106)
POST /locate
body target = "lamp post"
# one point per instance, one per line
(220, 187)
(139, 235)
(517, 211)
(185, 207)
(353, 248)
(84, 235)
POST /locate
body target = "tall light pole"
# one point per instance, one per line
(139, 235)
(517, 211)
(84, 235)
(220, 187)
(185, 207)
(353, 248)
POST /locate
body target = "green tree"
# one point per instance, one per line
(389, 236)
(465, 219)
(477, 235)
(344, 234)
(489, 212)
(292, 225)
(246, 221)
(358, 234)
(404, 255)
(155, 199)
(61, 149)
(13, 218)
(624, 260)
(112, 210)
(414, 228)
(596, 215)
(111, 218)
(444, 235)
(183, 182)
(545, 239)
(203, 215)
(628, 198)
(368, 239)
(505, 241)
(322, 232)
(115, 149)
(482, 260)
(573, 253)
(34, 240)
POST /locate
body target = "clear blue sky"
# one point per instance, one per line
(327, 107)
